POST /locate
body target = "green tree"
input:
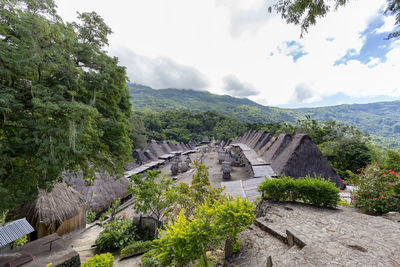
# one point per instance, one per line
(151, 193)
(63, 100)
(306, 12)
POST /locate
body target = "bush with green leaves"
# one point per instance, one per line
(315, 191)
(101, 260)
(116, 235)
(20, 241)
(137, 248)
(148, 260)
(187, 240)
(91, 217)
(378, 190)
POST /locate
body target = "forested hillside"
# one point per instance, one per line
(144, 97)
(381, 120)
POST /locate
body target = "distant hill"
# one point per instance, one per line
(378, 119)
(144, 97)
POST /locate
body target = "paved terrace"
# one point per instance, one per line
(322, 237)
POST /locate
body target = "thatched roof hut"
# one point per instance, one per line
(277, 147)
(253, 141)
(264, 148)
(265, 137)
(172, 146)
(166, 148)
(62, 210)
(154, 148)
(104, 190)
(140, 156)
(302, 157)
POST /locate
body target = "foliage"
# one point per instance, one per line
(187, 240)
(315, 191)
(63, 101)
(101, 260)
(377, 190)
(392, 160)
(148, 260)
(116, 235)
(3, 215)
(20, 241)
(91, 217)
(306, 13)
(136, 248)
(188, 198)
(184, 126)
(150, 193)
(111, 210)
(234, 216)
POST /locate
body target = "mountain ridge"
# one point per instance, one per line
(380, 119)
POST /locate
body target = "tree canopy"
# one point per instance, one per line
(306, 12)
(64, 104)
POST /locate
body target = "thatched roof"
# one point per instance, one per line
(172, 146)
(264, 139)
(104, 189)
(166, 148)
(139, 156)
(57, 206)
(154, 148)
(302, 157)
(255, 140)
(266, 146)
(277, 147)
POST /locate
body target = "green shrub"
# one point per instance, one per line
(136, 248)
(378, 190)
(101, 260)
(188, 239)
(20, 241)
(116, 235)
(148, 260)
(91, 216)
(315, 191)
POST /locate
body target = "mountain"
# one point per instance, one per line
(381, 120)
(144, 97)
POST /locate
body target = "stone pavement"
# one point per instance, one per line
(332, 237)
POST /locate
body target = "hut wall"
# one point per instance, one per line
(42, 230)
(75, 223)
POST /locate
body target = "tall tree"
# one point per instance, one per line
(306, 12)
(63, 101)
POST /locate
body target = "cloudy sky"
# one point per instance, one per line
(236, 47)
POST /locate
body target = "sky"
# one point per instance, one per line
(239, 49)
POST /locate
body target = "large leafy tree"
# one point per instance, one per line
(64, 104)
(306, 12)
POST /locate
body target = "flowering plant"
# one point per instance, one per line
(376, 192)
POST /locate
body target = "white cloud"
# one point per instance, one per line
(388, 25)
(215, 39)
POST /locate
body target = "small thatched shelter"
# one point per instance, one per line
(61, 211)
(301, 158)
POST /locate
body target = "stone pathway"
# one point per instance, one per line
(332, 237)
